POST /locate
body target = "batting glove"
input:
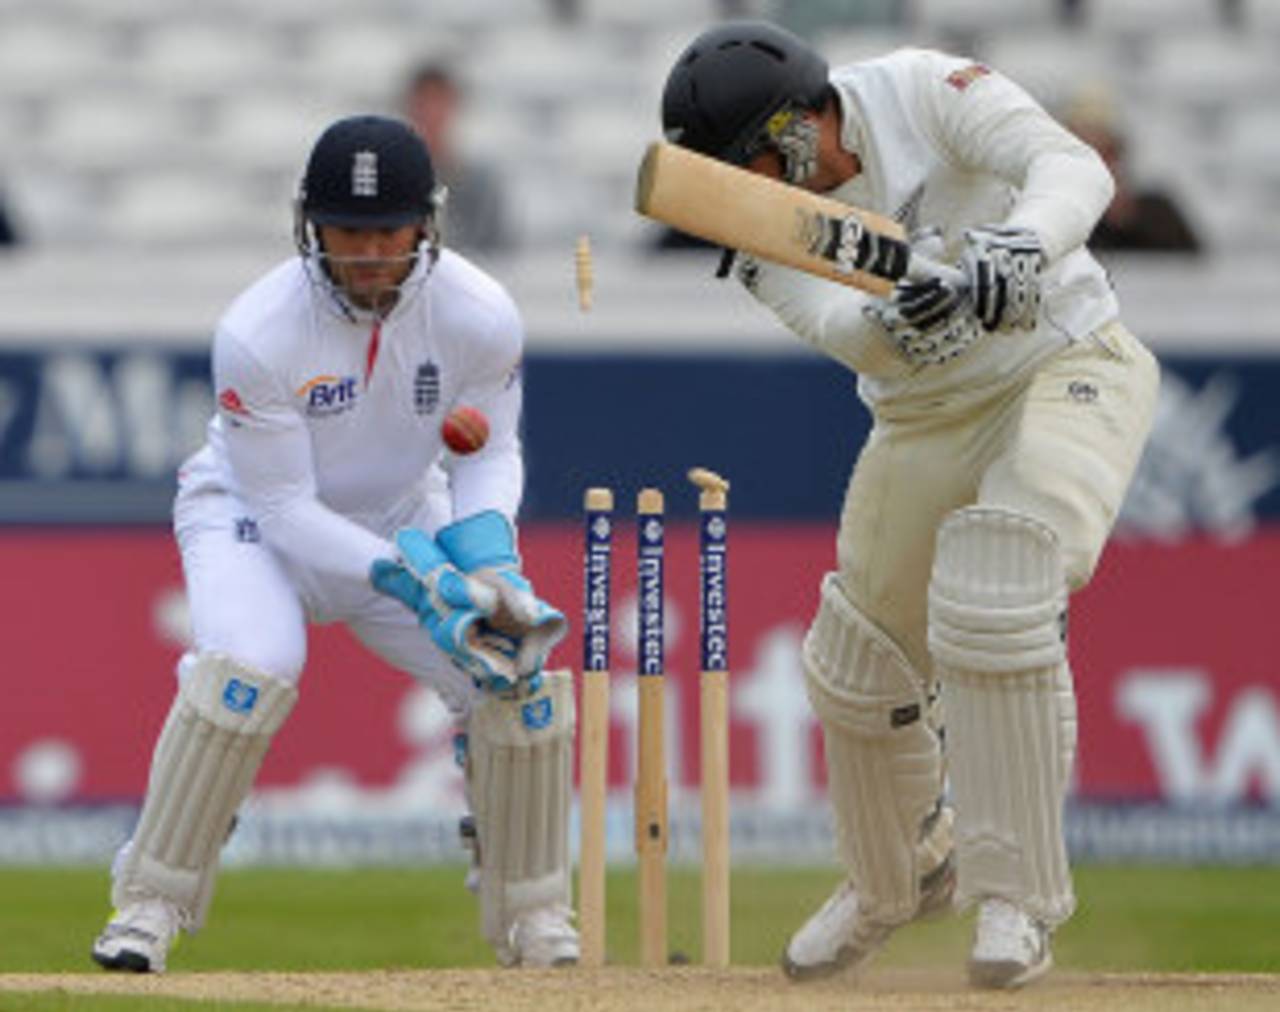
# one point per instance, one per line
(483, 546)
(951, 335)
(1003, 265)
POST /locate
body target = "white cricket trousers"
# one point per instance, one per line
(249, 603)
(1059, 445)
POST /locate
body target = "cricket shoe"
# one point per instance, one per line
(544, 936)
(138, 937)
(1010, 950)
(837, 938)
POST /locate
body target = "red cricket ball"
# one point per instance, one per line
(465, 430)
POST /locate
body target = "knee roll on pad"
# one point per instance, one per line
(884, 757)
(519, 774)
(996, 604)
(209, 751)
(997, 596)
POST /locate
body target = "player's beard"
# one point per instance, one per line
(371, 283)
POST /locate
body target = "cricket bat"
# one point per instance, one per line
(785, 224)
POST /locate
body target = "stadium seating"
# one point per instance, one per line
(236, 89)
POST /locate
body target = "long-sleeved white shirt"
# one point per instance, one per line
(329, 430)
(948, 143)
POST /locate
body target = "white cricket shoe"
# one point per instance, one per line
(836, 938)
(1010, 949)
(138, 938)
(542, 937)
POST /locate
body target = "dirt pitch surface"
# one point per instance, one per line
(681, 989)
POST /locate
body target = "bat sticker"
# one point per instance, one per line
(849, 245)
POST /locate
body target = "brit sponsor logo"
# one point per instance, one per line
(328, 395)
(247, 530)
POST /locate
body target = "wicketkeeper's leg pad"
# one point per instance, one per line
(209, 751)
(884, 757)
(997, 612)
(519, 775)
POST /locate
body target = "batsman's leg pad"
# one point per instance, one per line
(519, 780)
(205, 761)
(884, 757)
(997, 612)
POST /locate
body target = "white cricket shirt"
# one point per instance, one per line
(327, 428)
(947, 142)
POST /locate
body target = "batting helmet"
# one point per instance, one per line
(368, 172)
(731, 80)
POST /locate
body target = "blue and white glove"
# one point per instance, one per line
(451, 606)
(1003, 265)
(483, 546)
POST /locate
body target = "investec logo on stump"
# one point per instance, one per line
(328, 395)
(596, 619)
(715, 640)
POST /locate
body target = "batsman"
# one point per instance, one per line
(1010, 406)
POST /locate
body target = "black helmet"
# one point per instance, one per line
(368, 172)
(730, 81)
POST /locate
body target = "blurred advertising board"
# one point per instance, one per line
(1174, 646)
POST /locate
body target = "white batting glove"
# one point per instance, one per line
(928, 316)
(1003, 265)
(953, 333)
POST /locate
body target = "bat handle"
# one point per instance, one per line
(922, 268)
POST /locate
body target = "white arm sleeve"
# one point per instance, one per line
(992, 125)
(493, 477)
(827, 315)
(269, 451)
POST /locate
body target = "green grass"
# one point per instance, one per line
(1130, 918)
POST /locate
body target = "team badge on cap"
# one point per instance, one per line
(364, 174)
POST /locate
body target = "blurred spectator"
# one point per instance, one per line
(8, 234)
(566, 12)
(1075, 12)
(475, 215)
(812, 17)
(1140, 217)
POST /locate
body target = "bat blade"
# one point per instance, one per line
(745, 211)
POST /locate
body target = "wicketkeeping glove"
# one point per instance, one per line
(1003, 265)
(483, 546)
(451, 606)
